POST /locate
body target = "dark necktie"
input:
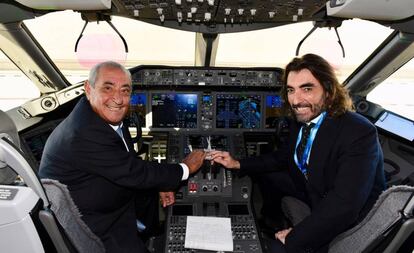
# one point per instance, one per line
(119, 132)
(303, 141)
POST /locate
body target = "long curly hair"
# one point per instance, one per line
(337, 100)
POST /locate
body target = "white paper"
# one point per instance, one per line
(208, 233)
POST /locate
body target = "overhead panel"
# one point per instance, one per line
(213, 16)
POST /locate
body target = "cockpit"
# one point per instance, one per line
(205, 75)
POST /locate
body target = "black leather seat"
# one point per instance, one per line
(385, 228)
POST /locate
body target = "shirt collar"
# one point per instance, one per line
(315, 120)
(115, 127)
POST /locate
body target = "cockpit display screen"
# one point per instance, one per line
(137, 107)
(273, 110)
(174, 110)
(397, 125)
(238, 111)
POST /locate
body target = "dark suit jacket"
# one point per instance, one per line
(345, 177)
(87, 155)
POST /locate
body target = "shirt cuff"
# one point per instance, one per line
(185, 171)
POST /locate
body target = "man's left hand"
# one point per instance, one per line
(281, 235)
(167, 198)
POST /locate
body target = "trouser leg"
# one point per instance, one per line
(273, 187)
(274, 246)
(146, 209)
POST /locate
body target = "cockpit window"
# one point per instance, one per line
(15, 87)
(396, 92)
(275, 47)
(148, 44)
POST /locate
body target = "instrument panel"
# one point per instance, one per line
(210, 109)
(192, 111)
(198, 99)
(166, 76)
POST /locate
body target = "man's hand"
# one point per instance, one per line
(194, 160)
(167, 198)
(281, 235)
(224, 159)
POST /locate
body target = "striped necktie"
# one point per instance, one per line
(304, 140)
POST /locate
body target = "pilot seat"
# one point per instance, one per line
(36, 216)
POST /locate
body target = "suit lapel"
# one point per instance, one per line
(127, 138)
(94, 122)
(323, 143)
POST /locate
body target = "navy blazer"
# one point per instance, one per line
(88, 156)
(345, 177)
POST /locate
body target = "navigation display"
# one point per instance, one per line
(238, 111)
(273, 110)
(174, 110)
(137, 107)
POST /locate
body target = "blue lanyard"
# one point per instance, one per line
(305, 157)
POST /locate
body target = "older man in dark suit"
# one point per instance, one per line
(91, 152)
(333, 160)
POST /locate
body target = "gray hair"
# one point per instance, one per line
(93, 74)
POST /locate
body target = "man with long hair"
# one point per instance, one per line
(331, 164)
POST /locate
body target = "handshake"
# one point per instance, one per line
(195, 159)
(206, 151)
